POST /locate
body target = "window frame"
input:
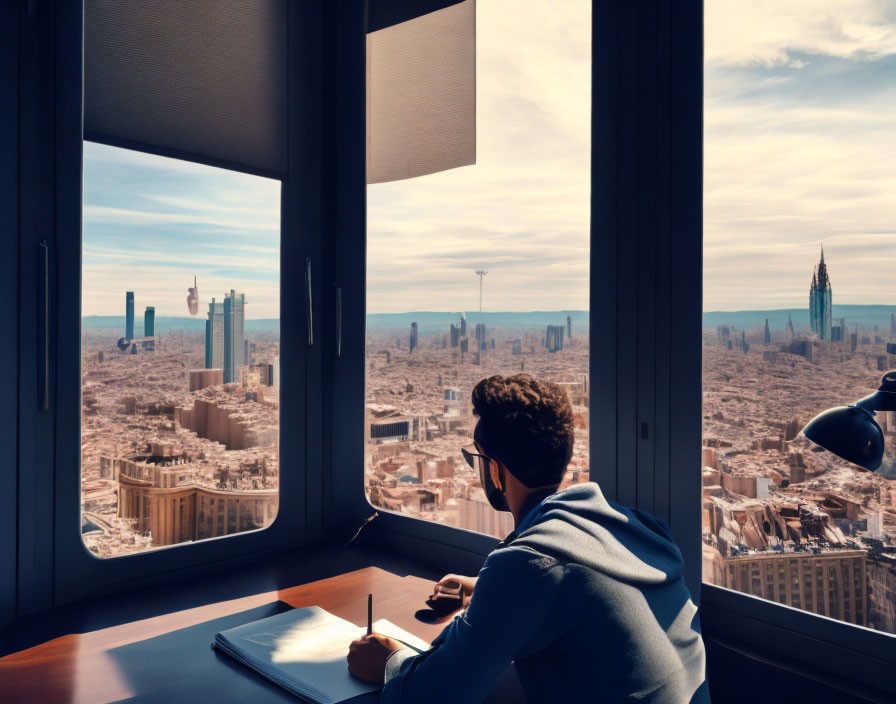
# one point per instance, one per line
(646, 196)
(664, 403)
(54, 566)
(811, 644)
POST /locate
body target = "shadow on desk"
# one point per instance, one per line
(182, 667)
(155, 646)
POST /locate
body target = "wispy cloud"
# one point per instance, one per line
(151, 224)
(800, 149)
(522, 212)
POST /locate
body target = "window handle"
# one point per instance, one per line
(43, 327)
(308, 312)
(339, 321)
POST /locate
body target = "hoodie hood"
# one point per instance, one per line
(579, 525)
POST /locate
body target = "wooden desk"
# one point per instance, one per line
(168, 658)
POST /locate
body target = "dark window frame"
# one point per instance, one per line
(54, 566)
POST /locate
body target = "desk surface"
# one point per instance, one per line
(168, 657)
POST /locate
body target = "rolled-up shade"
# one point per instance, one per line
(421, 95)
(193, 79)
(206, 81)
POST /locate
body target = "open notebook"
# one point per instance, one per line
(304, 651)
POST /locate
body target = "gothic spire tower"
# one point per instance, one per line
(820, 301)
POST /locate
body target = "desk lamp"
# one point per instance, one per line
(850, 431)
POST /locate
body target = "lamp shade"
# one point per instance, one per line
(884, 399)
(850, 432)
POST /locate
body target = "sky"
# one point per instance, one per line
(800, 151)
(151, 223)
(521, 212)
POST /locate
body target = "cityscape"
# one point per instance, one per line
(180, 427)
(419, 415)
(782, 518)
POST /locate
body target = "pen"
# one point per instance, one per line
(369, 614)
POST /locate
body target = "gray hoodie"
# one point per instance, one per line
(586, 598)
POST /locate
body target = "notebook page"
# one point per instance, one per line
(305, 650)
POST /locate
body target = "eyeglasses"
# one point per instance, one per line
(474, 459)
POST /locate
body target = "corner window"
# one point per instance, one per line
(180, 351)
(798, 309)
(483, 269)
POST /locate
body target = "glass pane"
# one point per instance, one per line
(483, 270)
(799, 310)
(180, 351)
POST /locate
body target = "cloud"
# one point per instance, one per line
(150, 224)
(522, 212)
(798, 156)
(767, 32)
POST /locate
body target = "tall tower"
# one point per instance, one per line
(149, 327)
(412, 342)
(214, 336)
(813, 289)
(481, 274)
(820, 301)
(129, 315)
(766, 334)
(234, 324)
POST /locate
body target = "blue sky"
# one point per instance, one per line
(151, 224)
(800, 150)
(521, 212)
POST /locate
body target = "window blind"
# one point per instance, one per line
(421, 95)
(193, 79)
(206, 81)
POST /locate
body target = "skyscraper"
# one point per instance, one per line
(820, 301)
(149, 327)
(553, 339)
(788, 329)
(480, 336)
(766, 334)
(412, 342)
(129, 315)
(214, 336)
(234, 324)
(463, 324)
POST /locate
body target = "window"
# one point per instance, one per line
(798, 315)
(180, 351)
(483, 269)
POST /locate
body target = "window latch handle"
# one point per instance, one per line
(339, 321)
(43, 326)
(308, 310)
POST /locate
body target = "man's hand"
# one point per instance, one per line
(367, 657)
(452, 582)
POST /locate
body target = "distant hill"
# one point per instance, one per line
(866, 317)
(428, 322)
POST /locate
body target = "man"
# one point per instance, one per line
(585, 597)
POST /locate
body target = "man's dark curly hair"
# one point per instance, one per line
(527, 424)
